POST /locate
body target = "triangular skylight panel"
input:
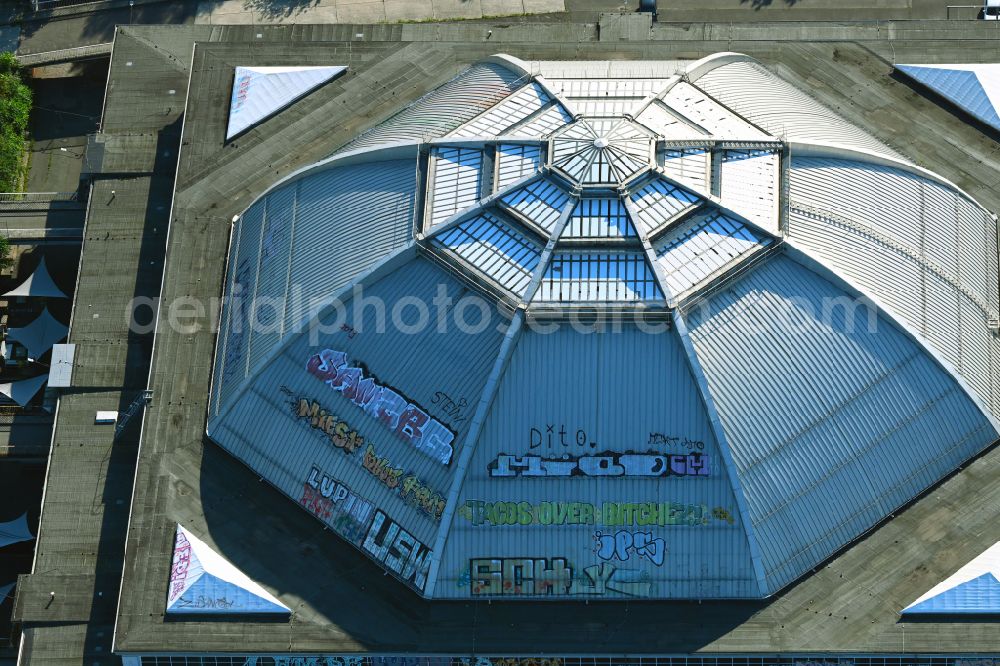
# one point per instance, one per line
(972, 590)
(975, 88)
(202, 582)
(261, 92)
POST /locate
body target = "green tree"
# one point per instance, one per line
(15, 110)
(6, 261)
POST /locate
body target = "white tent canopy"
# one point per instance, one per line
(261, 92)
(15, 531)
(203, 582)
(39, 283)
(39, 336)
(23, 390)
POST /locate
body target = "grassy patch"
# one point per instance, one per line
(15, 107)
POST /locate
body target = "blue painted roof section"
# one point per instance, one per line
(980, 595)
(961, 87)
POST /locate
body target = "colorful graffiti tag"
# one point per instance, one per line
(622, 544)
(335, 504)
(661, 439)
(397, 549)
(624, 514)
(411, 489)
(400, 415)
(540, 576)
(338, 430)
(605, 464)
(179, 569)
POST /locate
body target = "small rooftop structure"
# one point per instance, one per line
(39, 283)
(22, 391)
(40, 335)
(261, 92)
(973, 87)
(972, 590)
(203, 582)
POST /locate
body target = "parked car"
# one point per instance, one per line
(650, 6)
(991, 10)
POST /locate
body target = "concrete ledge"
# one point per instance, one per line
(65, 55)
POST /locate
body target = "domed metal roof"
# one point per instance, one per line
(604, 330)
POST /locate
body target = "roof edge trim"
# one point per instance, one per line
(390, 151)
(835, 150)
(694, 365)
(699, 68)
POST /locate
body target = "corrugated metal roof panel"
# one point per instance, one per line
(693, 103)
(784, 110)
(347, 218)
(272, 272)
(632, 392)
(384, 349)
(244, 256)
(516, 161)
(933, 264)
(809, 434)
(457, 177)
(509, 112)
(443, 109)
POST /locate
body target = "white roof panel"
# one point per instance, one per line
(61, 368)
(693, 103)
(516, 161)
(750, 185)
(973, 589)
(203, 582)
(260, 92)
(456, 184)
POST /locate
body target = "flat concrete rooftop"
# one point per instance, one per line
(341, 601)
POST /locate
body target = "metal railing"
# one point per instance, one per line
(37, 197)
